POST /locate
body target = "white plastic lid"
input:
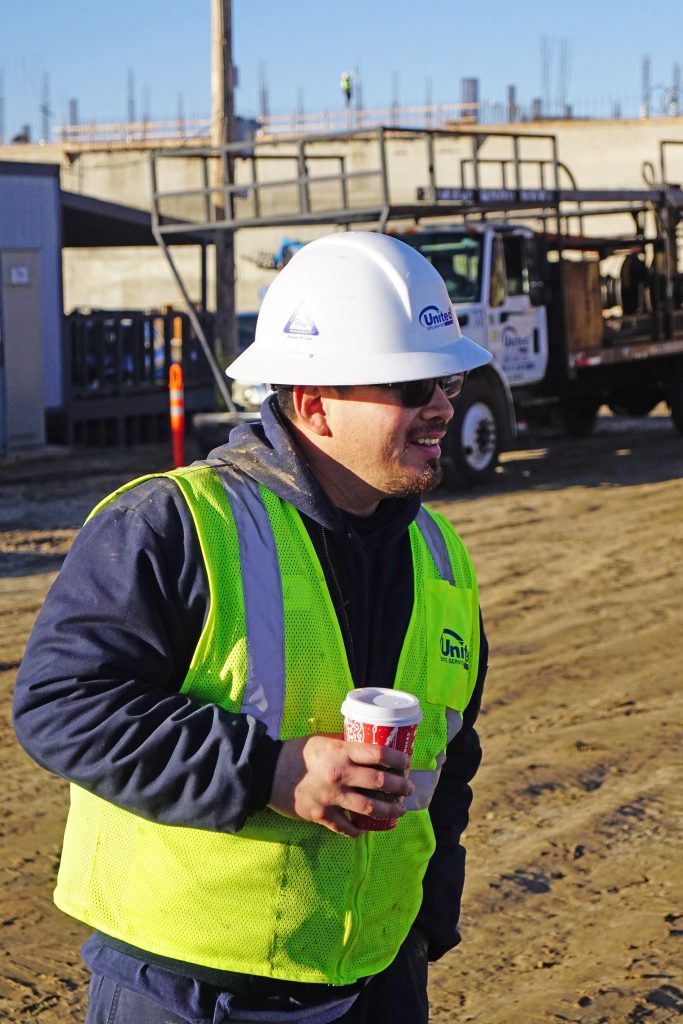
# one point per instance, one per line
(379, 705)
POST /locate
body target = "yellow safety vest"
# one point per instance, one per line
(282, 898)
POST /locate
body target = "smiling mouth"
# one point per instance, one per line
(429, 444)
(429, 448)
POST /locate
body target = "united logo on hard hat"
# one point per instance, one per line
(431, 317)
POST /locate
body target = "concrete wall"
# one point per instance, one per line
(608, 154)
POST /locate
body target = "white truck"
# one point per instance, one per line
(574, 318)
(566, 335)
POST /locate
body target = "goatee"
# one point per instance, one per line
(431, 477)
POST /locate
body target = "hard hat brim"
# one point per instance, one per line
(287, 367)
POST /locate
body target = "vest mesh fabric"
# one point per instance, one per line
(283, 898)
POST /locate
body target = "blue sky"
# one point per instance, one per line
(87, 47)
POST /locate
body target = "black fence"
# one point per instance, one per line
(116, 376)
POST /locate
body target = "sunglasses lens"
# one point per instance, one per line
(415, 393)
(419, 392)
(452, 386)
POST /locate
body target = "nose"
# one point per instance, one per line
(438, 406)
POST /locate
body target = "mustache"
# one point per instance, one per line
(438, 426)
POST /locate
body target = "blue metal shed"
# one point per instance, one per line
(31, 376)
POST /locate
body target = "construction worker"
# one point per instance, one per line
(346, 85)
(187, 669)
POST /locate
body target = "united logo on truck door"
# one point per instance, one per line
(512, 340)
(454, 650)
(517, 357)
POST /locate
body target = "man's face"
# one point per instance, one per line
(391, 450)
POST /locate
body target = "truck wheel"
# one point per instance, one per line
(473, 440)
(578, 415)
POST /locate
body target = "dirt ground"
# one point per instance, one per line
(572, 909)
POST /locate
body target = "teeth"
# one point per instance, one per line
(427, 440)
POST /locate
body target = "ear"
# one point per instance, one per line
(311, 409)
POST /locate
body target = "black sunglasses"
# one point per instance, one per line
(415, 393)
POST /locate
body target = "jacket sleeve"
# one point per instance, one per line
(449, 812)
(97, 697)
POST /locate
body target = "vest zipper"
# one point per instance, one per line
(353, 922)
(342, 614)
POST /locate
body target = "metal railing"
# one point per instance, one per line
(347, 179)
(133, 132)
(116, 375)
(350, 179)
(358, 118)
(437, 115)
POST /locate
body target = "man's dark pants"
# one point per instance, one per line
(396, 996)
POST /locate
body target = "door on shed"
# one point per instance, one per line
(21, 348)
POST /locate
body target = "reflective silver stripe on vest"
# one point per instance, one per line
(433, 538)
(453, 724)
(425, 781)
(425, 784)
(264, 695)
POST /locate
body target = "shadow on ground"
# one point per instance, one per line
(620, 453)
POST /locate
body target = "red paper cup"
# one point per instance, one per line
(388, 718)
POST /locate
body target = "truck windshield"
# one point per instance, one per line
(458, 260)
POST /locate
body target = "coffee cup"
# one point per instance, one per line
(387, 718)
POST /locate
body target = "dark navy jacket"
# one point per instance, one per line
(97, 697)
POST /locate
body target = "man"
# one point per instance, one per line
(187, 669)
(346, 86)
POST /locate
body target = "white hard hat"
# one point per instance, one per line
(356, 308)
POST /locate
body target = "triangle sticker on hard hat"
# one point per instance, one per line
(300, 322)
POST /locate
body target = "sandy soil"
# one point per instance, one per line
(573, 907)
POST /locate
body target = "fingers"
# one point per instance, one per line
(336, 818)
(338, 822)
(373, 805)
(319, 778)
(369, 753)
(364, 778)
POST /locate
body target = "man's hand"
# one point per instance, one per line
(317, 778)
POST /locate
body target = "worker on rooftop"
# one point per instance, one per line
(346, 85)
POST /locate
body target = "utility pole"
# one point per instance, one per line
(645, 87)
(264, 96)
(223, 131)
(45, 110)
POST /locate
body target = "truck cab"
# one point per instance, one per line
(491, 279)
(492, 276)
